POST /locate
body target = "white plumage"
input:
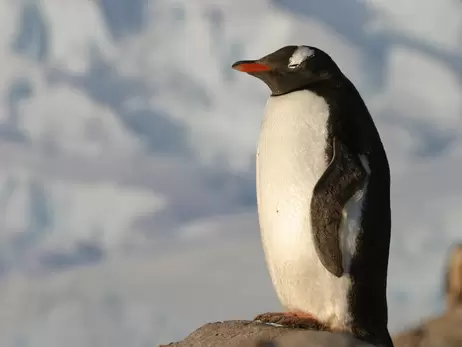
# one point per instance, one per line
(290, 160)
(300, 55)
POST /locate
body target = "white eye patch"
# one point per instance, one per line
(299, 56)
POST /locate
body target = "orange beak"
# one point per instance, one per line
(250, 66)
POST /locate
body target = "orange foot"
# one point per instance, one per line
(292, 319)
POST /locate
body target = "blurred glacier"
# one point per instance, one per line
(127, 203)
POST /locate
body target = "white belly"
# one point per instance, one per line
(290, 160)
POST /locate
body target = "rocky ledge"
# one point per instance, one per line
(254, 334)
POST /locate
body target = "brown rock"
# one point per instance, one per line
(443, 331)
(453, 283)
(253, 334)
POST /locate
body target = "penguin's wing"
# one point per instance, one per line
(344, 177)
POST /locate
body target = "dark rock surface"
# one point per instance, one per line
(253, 334)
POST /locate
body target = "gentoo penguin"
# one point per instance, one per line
(323, 196)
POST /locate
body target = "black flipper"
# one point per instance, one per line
(341, 180)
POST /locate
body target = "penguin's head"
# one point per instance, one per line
(290, 68)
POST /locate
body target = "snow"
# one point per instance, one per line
(88, 128)
(127, 142)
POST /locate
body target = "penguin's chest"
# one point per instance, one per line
(291, 157)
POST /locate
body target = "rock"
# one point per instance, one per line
(443, 331)
(453, 279)
(253, 334)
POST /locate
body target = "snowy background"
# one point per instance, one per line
(127, 203)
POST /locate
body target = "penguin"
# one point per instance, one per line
(323, 197)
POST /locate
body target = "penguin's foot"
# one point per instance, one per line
(292, 319)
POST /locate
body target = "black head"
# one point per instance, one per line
(291, 68)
